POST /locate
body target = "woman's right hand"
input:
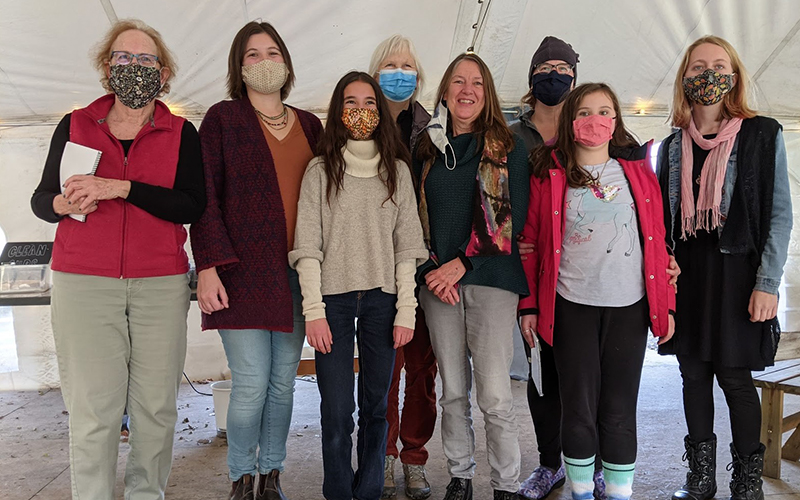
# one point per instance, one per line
(211, 295)
(319, 335)
(62, 206)
(527, 324)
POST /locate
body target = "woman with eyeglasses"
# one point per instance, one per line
(598, 281)
(120, 289)
(724, 178)
(396, 67)
(551, 77)
(255, 151)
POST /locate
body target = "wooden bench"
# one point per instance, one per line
(775, 381)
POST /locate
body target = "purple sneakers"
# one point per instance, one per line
(599, 485)
(541, 482)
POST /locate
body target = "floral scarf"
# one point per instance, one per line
(491, 212)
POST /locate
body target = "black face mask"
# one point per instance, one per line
(551, 88)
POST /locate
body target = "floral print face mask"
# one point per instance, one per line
(135, 85)
(707, 88)
(361, 122)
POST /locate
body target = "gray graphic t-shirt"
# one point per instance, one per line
(601, 257)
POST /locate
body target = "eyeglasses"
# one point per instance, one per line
(562, 69)
(122, 58)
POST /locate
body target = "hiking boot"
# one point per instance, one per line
(269, 486)
(389, 486)
(746, 480)
(459, 489)
(505, 495)
(541, 482)
(599, 481)
(242, 488)
(417, 486)
(701, 480)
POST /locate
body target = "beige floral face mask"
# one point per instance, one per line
(265, 77)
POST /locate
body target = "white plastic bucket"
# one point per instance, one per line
(221, 392)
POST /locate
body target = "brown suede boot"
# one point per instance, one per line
(269, 486)
(242, 488)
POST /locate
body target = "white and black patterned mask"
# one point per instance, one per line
(135, 85)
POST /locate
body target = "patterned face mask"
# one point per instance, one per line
(707, 88)
(361, 122)
(135, 85)
(265, 77)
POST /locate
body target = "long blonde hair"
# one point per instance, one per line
(734, 103)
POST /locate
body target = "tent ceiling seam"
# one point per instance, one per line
(244, 11)
(111, 14)
(17, 92)
(778, 49)
(680, 53)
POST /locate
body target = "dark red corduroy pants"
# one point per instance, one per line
(419, 404)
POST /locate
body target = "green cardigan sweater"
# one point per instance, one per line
(450, 195)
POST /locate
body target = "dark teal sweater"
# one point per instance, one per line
(450, 195)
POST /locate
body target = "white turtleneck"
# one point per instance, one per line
(359, 241)
(361, 158)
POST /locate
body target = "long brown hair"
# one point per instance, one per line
(490, 123)
(734, 103)
(235, 83)
(386, 137)
(541, 158)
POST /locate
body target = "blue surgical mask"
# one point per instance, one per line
(398, 84)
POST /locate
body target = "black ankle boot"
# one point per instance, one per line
(459, 489)
(505, 495)
(746, 478)
(269, 486)
(701, 482)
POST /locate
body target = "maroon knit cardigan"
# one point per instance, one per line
(243, 229)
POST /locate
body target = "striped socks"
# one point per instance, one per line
(580, 472)
(619, 480)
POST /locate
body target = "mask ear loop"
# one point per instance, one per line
(445, 157)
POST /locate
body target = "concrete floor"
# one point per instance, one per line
(34, 446)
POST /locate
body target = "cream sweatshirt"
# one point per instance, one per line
(360, 240)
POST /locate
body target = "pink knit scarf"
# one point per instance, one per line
(706, 215)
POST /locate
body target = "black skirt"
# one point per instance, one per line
(711, 321)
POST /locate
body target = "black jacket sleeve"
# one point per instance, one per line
(50, 185)
(186, 201)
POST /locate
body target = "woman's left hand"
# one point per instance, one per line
(763, 306)
(670, 331)
(93, 189)
(445, 276)
(402, 336)
(673, 271)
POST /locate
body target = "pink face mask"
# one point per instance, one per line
(593, 130)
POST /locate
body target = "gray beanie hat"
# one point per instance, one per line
(553, 48)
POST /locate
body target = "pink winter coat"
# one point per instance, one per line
(545, 228)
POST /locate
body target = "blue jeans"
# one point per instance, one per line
(263, 367)
(375, 311)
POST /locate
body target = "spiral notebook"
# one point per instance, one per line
(78, 160)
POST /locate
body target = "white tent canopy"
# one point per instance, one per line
(634, 45)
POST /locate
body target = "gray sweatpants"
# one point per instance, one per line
(480, 328)
(120, 342)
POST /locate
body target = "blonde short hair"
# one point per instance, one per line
(393, 45)
(102, 51)
(734, 103)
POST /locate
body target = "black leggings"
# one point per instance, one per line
(599, 353)
(546, 409)
(740, 393)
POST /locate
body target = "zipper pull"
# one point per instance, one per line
(125, 163)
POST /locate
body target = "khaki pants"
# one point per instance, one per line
(120, 342)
